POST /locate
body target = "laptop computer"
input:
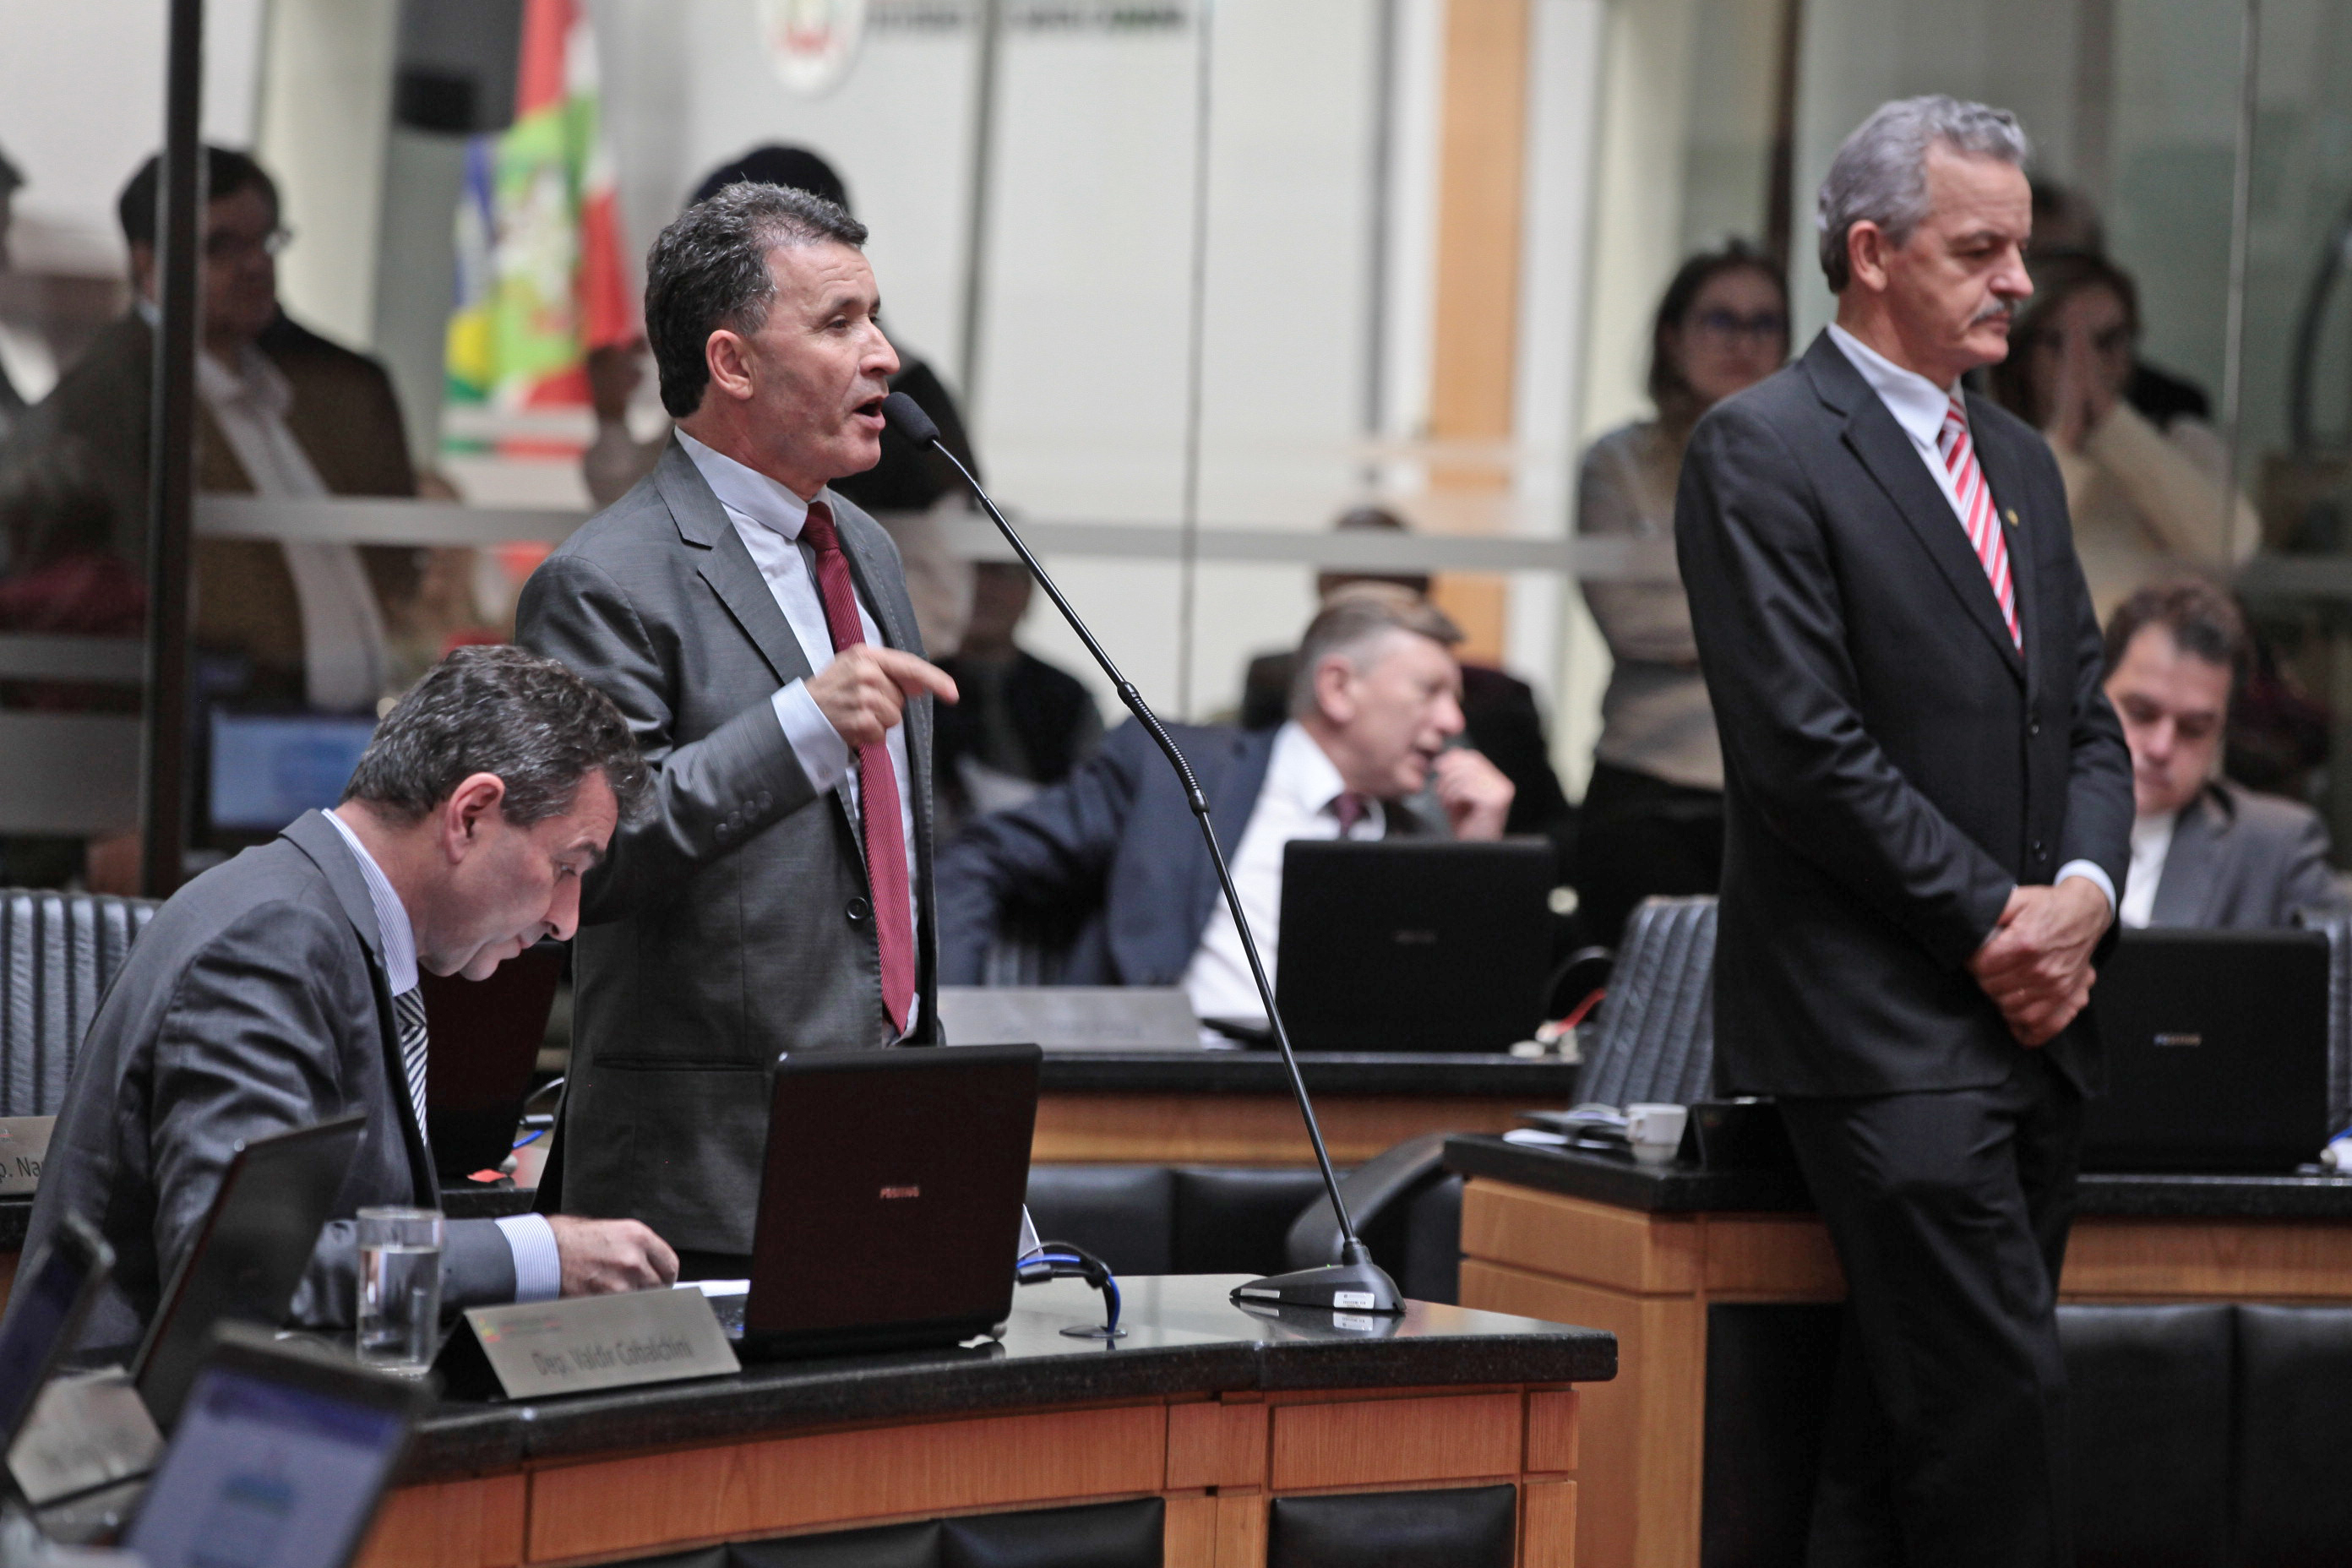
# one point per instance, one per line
(2217, 1052)
(484, 1038)
(248, 1258)
(53, 1293)
(267, 769)
(281, 1457)
(1414, 945)
(890, 1204)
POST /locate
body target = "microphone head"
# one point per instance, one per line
(907, 417)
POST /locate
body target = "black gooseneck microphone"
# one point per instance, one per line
(1355, 1283)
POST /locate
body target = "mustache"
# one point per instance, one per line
(1997, 311)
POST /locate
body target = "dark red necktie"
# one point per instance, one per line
(878, 786)
(1349, 808)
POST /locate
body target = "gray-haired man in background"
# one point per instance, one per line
(1928, 811)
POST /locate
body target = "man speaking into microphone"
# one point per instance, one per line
(754, 630)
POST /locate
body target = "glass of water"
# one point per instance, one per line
(400, 1288)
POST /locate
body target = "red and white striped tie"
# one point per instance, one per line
(1977, 513)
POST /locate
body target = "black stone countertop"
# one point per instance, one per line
(1541, 1079)
(458, 1203)
(1681, 1189)
(1185, 1338)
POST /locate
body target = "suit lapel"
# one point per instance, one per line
(316, 838)
(2185, 892)
(2007, 482)
(727, 565)
(1873, 437)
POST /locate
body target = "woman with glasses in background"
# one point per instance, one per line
(2145, 500)
(1653, 817)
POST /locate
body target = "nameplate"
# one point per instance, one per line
(88, 1429)
(599, 1341)
(24, 1144)
(1070, 1018)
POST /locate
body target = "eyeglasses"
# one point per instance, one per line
(227, 245)
(1722, 323)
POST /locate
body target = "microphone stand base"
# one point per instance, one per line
(1363, 1286)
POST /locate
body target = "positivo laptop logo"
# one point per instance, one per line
(890, 1193)
(2179, 1037)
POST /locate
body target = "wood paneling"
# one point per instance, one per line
(944, 1468)
(1241, 1529)
(1551, 1430)
(1770, 1257)
(1542, 1232)
(1214, 1444)
(1645, 1438)
(1189, 1539)
(450, 1524)
(1246, 1129)
(2204, 1259)
(1377, 1440)
(1547, 1524)
(1482, 148)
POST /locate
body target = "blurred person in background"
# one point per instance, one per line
(281, 412)
(2146, 502)
(1500, 718)
(899, 492)
(1652, 817)
(2067, 223)
(2205, 851)
(12, 398)
(1020, 723)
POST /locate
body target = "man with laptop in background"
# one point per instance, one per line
(2205, 851)
(280, 991)
(1115, 850)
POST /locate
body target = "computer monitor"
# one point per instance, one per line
(52, 1295)
(281, 1457)
(891, 1206)
(269, 768)
(249, 1259)
(1415, 944)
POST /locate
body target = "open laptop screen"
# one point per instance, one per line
(277, 1464)
(269, 768)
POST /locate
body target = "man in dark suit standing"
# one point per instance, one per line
(280, 991)
(754, 629)
(1928, 816)
(1114, 851)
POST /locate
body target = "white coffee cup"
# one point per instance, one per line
(1655, 1132)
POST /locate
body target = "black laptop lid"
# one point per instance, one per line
(2217, 1052)
(281, 1457)
(483, 1040)
(249, 1256)
(1414, 945)
(890, 1208)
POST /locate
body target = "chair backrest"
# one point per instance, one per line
(58, 952)
(1656, 1039)
(2338, 927)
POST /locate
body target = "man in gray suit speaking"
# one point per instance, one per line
(280, 991)
(754, 629)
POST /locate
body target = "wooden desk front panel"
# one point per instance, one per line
(1216, 1462)
(1246, 1129)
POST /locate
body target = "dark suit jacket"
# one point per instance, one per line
(257, 1002)
(1893, 766)
(1114, 850)
(732, 924)
(2243, 859)
(345, 418)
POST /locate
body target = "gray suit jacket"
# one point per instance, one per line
(733, 924)
(2243, 859)
(257, 1002)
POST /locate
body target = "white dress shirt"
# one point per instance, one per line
(2151, 844)
(768, 519)
(1298, 800)
(1919, 406)
(538, 1265)
(342, 631)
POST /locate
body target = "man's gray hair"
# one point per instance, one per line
(1880, 175)
(1350, 620)
(708, 269)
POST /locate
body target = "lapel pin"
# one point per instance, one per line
(2012, 515)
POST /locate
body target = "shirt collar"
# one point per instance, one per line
(1916, 402)
(1299, 768)
(253, 382)
(390, 914)
(746, 491)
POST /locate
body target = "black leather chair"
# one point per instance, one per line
(1468, 1527)
(2151, 1391)
(58, 952)
(2294, 1387)
(1655, 1039)
(1102, 1535)
(2338, 928)
(1406, 1206)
